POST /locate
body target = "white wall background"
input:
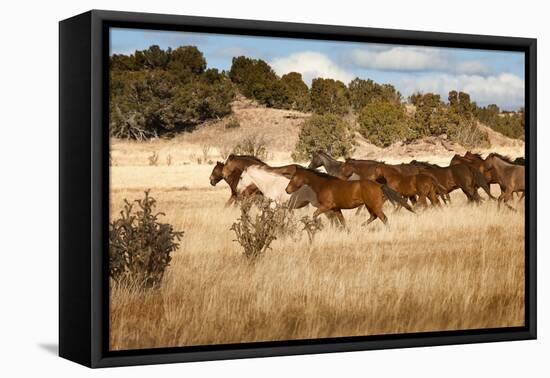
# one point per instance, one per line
(29, 186)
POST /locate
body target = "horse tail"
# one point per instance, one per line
(395, 197)
(480, 181)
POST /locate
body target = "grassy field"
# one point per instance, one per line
(460, 267)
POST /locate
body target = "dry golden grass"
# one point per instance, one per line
(456, 268)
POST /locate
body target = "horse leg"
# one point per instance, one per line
(506, 198)
(433, 198)
(231, 200)
(340, 217)
(380, 214)
(358, 210)
(422, 200)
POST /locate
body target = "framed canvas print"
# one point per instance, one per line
(234, 188)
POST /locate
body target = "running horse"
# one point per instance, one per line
(334, 194)
(232, 174)
(510, 176)
(409, 186)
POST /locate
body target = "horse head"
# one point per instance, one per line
(216, 174)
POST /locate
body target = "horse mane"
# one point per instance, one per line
(244, 157)
(476, 154)
(316, 172)
(502, 157)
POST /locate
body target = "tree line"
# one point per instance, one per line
(156, 92)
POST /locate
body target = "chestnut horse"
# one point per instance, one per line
(233, 174)
(334, 194)
(409, 186)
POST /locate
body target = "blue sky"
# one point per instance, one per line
(489, 76)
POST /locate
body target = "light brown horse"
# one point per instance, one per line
(409, 186)
(510, 176)
(233, 180)
(335, 194)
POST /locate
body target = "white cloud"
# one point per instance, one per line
(233, 51)
(311, 64)
(402, 58)
(506, 90)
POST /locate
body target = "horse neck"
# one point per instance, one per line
(313, 181)
(329, 162)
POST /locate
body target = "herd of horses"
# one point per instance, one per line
(356, 183)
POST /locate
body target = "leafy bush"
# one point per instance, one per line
(329, 96)
(139, 245)
(154, 92)
(296, 92)
(384, 123)
(252, 145)
(327, 132)
(363, 92)
(256, 79)
(510, 124)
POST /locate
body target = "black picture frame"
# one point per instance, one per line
(84, 188)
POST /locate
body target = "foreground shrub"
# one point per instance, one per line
(255, 231)
(384, 123)
(327, 132)
(140, 245)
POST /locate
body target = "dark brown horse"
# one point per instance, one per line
(233, 179)
(510, 176)
(458, 176)
(409, 186)
(475, 163)
(335, 194)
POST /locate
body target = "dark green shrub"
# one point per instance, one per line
(327, 132)
(140, 245)
(146, 103)
(384, 123)
(257, 80)
(296, 92)
(363, 92)
(329, 96)
(511, 124)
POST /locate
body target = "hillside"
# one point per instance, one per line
(279, 129)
